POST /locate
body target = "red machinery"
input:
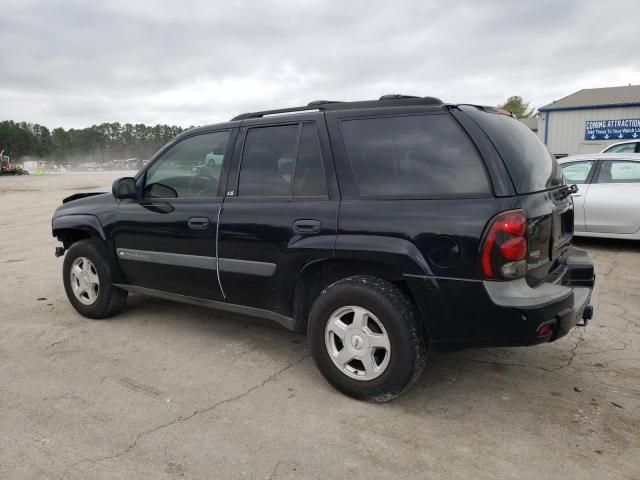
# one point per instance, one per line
(8, 168)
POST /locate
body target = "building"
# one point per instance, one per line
(531, 122)
(591, 119)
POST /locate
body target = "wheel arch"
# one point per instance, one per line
(72, 228)
(316, 276)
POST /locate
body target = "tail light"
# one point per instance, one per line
(503, 251)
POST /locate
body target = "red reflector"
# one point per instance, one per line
(486, 254)
(544, 329)
(514, 249)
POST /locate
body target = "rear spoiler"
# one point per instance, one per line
(485, 108)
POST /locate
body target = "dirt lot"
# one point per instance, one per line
(172, 391)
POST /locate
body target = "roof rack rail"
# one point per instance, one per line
(393, 100)
(245, 116)
(396, 96)
(315, 103)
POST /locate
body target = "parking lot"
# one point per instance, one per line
(165, 390)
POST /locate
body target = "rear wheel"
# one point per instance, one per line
(87, 281)
(366, 338)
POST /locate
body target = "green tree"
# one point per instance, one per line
(518, 107)
(104, 142)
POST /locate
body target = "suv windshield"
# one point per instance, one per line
(531, 166)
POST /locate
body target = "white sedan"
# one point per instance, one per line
(630, 146)
(607, 203)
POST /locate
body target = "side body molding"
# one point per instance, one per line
(246, 267)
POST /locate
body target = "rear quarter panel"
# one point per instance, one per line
(445, 281)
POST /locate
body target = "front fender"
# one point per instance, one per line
(85, 223)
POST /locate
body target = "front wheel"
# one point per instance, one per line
(366, 338)
(87, 281)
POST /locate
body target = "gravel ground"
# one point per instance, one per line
(172, 391)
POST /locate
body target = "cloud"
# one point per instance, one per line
(75, 63)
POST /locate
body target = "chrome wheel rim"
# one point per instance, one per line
(85, 282)
(357, 343)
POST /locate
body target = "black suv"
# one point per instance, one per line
(381, 228)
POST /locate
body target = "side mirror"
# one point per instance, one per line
(124, 187)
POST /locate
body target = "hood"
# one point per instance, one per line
(90, 193)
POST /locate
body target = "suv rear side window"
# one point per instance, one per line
(531, 166)
(309, 180)
(413, 156)
(267, 161)
(277, 163)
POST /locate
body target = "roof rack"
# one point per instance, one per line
(392, 100)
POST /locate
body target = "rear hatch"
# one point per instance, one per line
(540, 189)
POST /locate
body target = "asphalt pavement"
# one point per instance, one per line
(168, 391)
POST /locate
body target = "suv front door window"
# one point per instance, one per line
(189, 169)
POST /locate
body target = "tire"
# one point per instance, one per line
(105, 300)
(392, 313)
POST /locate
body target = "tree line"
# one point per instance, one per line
(100, 143)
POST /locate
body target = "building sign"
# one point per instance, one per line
(612, 129)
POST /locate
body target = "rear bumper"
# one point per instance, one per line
(569, 318)
(547, 321)
(487, 313)
(550, 310)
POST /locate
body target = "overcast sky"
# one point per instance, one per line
(75, 63)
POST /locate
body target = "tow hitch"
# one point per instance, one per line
(587, 314)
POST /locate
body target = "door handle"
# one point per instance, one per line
(306, 226)
(198, 223)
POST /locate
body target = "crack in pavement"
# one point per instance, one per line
(572, 352)
(275, 470)
(602, 352)
(507, 364)
(60, 341)
(182, 419)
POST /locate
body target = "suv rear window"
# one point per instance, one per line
(413, 156)
(531, 166)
